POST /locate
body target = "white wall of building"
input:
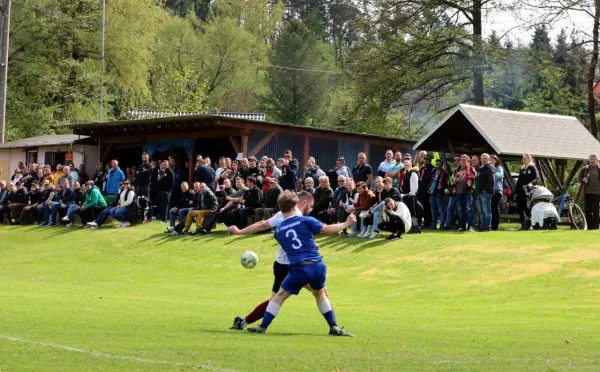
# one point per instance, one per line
(82, 154)
(9, 158)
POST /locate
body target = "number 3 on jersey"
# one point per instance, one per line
(291, 233)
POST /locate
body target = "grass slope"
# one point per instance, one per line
(136, 300)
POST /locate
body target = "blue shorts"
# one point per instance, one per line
(301, 275)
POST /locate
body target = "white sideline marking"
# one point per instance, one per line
(113, 356)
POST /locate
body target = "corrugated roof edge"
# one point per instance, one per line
(192, 117)
(41, 141)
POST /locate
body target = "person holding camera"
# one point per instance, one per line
(395, 218)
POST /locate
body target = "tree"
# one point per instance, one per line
(298, 91)
(541, 40)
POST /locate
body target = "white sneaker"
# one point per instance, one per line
(471, 229)
(93, 224)
(169, 229)
(120, 225)
(353, 234)
(94, 227)
(125, 224)
(65, 219)
(174, 233)
(374, 235)
(363, 234)
(70, 225)
(162, 222)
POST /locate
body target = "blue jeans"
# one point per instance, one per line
(104, 215)
(377, 215)
(485, 210)
(182, 214)
(438, 210)
(73, 209)
(46, 210)
(54, 212)
(119, 214)
(450, 211)
(464, 203)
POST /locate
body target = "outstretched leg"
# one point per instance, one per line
(272, 310)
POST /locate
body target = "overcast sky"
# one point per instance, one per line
(503, 21)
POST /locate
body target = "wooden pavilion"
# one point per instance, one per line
(552, 140)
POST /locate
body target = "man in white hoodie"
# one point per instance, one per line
(122, 209)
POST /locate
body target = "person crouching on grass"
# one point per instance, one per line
(395, 218)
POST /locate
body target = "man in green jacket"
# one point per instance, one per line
(94, 203)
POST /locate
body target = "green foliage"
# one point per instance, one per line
(297, 93)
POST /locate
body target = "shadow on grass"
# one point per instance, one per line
(268, 334)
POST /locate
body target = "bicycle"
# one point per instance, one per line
(574, 212)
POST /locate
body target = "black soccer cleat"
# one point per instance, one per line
(337, 331)
(257, 329)
(239, 323)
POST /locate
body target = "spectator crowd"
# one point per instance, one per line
(399, 196)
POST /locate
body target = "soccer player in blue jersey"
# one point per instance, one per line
(295, 234)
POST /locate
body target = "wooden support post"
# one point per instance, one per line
(106, 153)
(579, 194)
(191, 168)
(551, 174)
(236, 144)
(508, 176)
(543, 171)
(259, 146)
(542, 178)
(445, 161)
(574, 172)
(451, 148)
(560, 169)
(305, 149)
(244, 147)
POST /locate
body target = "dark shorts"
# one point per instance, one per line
(299, 276)
(280, 271)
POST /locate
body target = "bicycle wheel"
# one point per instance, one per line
(577, 217)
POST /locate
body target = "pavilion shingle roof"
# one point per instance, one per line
(516, 133)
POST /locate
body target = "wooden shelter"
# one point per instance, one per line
(551, 139)
(229, 135)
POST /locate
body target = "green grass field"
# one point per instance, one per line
(134, 299)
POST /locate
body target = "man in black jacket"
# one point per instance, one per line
(17, 202)
(425, 173)
(485, 191)
(165, 179)
(34, 198)
(269, 204)
(323, 197)
(142, 182)
(48, 196)
(182, 205)
(289, 172)
(252, 199)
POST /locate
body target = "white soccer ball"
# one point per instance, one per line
(249, 259)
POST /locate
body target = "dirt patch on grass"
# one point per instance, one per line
(518, 272)
(575, 255)
(587, 273)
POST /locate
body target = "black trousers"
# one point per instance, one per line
(496, 210)
(592, 207)
(524, 212)
(395, 225)
(240, 217)
(162, 205)
(426, 216)
(89, 214)
(211, 220)
(142, 193)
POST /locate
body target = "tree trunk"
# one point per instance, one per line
(478, 67)
(592, 72)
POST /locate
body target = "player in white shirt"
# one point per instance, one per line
(280, 266)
